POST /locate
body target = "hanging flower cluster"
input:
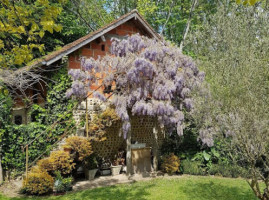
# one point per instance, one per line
(83, 79)
(151, 78)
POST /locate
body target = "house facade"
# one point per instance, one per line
(93, 45)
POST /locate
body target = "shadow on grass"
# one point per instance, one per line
(217, 191)
(124, 192)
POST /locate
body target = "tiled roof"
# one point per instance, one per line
(71, 47)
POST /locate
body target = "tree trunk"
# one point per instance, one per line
(129, 154)
(155, 147)
(181, 46)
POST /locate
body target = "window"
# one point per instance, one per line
(103, 47)
(18, 119)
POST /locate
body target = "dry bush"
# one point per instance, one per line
(80, 145)
(38, 182)
(170, 163)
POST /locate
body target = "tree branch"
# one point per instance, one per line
(168, 17)
(194, 2)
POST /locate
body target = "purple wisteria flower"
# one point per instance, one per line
(151, 78)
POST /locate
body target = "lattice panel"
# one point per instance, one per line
(142, 128)
(141, 132)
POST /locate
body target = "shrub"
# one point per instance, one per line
(80, 145)
(101, 121)
(39, 182)
(192, 167)
(62, 184)
(58, 161)
(46, 164)
(91, 162)
(233, 171)
(170, 163)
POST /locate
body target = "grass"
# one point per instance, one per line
(183, 188)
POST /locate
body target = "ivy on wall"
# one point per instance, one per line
(5, 107)
(42, 128)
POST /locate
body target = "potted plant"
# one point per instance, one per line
(117, 163)
(105, 167)
(90, 167)
(62, 185)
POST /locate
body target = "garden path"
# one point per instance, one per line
(112, 180)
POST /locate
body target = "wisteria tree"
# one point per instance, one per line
(146, 77)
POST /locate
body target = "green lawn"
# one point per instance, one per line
(183, 188)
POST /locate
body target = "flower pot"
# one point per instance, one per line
(105, 172)
(115, 170)
(90, 173)
(124, 169)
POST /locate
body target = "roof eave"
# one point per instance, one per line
(95, 36)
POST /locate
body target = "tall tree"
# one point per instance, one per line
(233, 51)
(171, 18)
(23, 25)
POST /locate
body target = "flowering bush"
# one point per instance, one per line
(39, 182)
(147, 77)
(80, 145)
(170, 163)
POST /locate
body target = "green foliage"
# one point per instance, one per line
(38, 183)
(247, 2)
(187, 144)
(192, 167)
(233, 50)
(233, 171)
(23, 25)
(207, 157)
(170, 163)
(91, 162)
(62, 184)
(43, 129)
(14, 140)
(179, 13)
(5, 107)
(200, 160)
